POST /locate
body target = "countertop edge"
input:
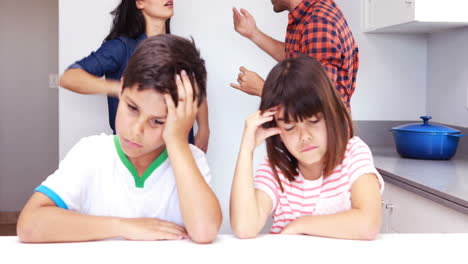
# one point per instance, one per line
(426, 192)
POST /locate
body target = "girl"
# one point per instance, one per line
(134, 21)
(318, 178)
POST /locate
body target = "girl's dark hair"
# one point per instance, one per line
(129, 21)
(302, 87)
(158, 59)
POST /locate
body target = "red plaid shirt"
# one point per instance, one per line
(319, 29)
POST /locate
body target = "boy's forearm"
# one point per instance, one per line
(243, 206)
(200, 207)
(67, 226)
(351, 224)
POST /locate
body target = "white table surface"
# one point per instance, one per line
(387, 248)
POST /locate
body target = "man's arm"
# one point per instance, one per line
(244, 24)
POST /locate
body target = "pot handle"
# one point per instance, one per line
(456, 135)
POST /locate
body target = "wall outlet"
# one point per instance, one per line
(53, 80)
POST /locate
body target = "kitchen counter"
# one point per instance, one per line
(387, 248)
(445, 181)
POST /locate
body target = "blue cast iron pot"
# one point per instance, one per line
(426, 141)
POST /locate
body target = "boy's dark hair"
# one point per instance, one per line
(302, 87)
(158, 59)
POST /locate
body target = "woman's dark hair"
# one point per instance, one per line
(129, 21)
(158, 59)
(302, 87)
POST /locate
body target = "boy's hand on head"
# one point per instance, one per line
(180, 119)
(254, 133)
(249, 82)
(151, 229)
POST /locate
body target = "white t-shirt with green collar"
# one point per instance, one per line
(96, 178)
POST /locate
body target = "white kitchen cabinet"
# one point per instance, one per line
(407, 212)
(414, 16)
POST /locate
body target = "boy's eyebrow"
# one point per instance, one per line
(136, 105)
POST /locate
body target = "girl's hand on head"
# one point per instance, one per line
(180, 119)
(254, 133)
(151, 229)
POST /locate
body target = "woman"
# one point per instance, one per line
(134, 21)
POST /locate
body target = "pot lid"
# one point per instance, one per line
(425, 127)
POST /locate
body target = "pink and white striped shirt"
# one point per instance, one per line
(318, 197)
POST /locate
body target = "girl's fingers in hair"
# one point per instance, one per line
(188, 91)
(271, 132)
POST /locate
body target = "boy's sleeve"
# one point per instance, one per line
(202, 163)
(265, 180)
(107, 59)
(361, 162)
(64, 186)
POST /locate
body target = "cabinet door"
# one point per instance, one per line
(412, 213)
(384, 13)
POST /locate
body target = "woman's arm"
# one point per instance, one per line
(203, 133)
(362, 221)
(42, 221)
(80, 81)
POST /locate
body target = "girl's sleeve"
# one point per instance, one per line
(265, 180)
(65, 185)
(109, 58)
(361, 162)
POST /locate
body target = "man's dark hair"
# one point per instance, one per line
(158, 59)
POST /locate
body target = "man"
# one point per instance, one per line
(316, 28)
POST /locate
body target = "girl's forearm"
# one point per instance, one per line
(243, 208)
(351, 224)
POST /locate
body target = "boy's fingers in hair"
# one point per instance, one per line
(180, 89)
(170, 104)
(188, 91)
(196, 90)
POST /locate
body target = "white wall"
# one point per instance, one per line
(391, 80)
(447, 77)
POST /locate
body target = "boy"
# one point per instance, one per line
(146, 182)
